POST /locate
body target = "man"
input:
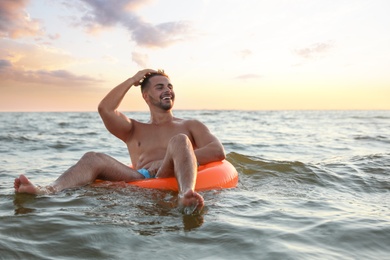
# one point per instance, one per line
(165, 146)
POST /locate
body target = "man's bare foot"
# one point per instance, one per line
(24, 185)
(191, 202)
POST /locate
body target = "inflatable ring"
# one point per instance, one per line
(215, 175)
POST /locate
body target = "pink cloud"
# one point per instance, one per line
(62, 78)
(313, 50)
(15, 22)
(98, 15)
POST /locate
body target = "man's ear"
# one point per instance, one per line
(145, 95)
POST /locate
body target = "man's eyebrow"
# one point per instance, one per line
(162, 84)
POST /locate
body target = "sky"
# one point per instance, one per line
(66, 55)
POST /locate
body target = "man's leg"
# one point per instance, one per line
(90, 167)
(180, 161)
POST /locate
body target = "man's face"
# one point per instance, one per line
(160, 92)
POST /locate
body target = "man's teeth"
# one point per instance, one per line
(166, 98)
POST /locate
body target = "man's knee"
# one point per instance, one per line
(180, 139)
(95, 161)
(179, 144)
(93, 157)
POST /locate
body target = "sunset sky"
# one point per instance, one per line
(220, 54)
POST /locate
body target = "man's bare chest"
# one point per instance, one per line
(149, 137)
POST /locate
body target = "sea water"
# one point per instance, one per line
(312, 185)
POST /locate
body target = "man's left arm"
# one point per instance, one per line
(207, 146)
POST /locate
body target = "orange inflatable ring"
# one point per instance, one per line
(215, 175)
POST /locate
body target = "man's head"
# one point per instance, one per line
(157, 90)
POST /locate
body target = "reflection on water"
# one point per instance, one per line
(20, 202)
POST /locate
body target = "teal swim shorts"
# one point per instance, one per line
(145, 173)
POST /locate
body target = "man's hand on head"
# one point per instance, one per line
(141, 75)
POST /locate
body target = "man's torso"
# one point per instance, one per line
(149, 142)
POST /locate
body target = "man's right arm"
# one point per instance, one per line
(116, 122)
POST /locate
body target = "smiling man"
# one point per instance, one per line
(165, 146)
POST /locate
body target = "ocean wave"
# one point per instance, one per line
(377, 138)
(363, 174)
(252, 164)
(11, 138)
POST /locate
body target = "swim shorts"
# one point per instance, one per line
(145, 173)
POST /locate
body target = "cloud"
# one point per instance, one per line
(313, 50)
(161, 35)
(34, 56)
(248, 76)
(245, 53)
(140, 59)
(55, 36)
(5, 64)
(15, 22)
(41, 65)
(62, 78)
(99, 15)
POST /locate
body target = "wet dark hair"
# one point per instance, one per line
(145, 80)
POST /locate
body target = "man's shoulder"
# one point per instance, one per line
(187, 121)
(194, 125)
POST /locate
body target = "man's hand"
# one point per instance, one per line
(154, 167)
(140, 76)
